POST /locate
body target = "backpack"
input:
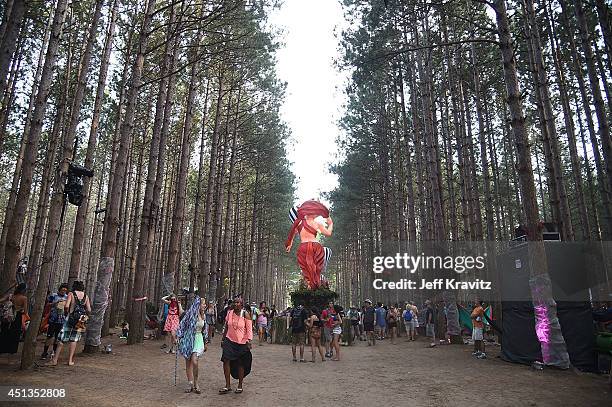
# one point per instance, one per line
(222, 315)
(296, 319)
(78, 311)
(408, 315)
(7, 312)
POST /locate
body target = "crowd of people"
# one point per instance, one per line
(189, 332)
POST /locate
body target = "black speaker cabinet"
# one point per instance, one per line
(570, 290)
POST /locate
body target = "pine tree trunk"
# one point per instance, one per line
(600, 110)
(212, 170)
(548, 127)
(31, 139)
(155, 175)
(196, 224)
(215, 267)
(58, 201)
(605, 22)
(224, 248)
(111, 219)
(8, 44)
(569, 130)
(601, 177)
(482, 137)
(412, 232)
(8, 102)
(43, 193)
(181, 183)
(554, 351)
(81, 216)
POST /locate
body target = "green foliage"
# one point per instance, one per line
(309, 298)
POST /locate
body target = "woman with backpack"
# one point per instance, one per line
(78, 309)
(13, 319)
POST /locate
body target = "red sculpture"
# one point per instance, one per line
(310, 254)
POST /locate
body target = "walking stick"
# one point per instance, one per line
(176, 363)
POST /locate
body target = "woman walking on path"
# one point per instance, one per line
(262, 322)
(192, 334)
(236, 345)
(392, 322)
(337, 331)
(211, 318)
(175, 310)
(56, 318)
(78, 309)
(315, 326)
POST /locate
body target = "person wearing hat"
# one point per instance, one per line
(368, 319)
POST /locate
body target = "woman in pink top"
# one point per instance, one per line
(236, 345)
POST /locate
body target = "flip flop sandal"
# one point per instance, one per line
(238, 390)
(225, 390)
(196, 390)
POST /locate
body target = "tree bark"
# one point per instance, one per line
(569, 129)
(549, 128)
(600, 110)
(31, 138)
(181, 183)
(553, 347)
(9, 40)
(212, 169)
(81, 216)
(150, 208)
(111, 222)
(58, 200)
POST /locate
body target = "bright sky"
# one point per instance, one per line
(314, 94)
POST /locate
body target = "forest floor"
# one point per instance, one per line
(408, 373)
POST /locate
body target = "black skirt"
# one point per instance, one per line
(10, 334)
(238, 355)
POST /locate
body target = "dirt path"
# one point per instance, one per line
(406, 374)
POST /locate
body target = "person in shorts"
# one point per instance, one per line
(56, 318)
(298, 331)
(408, 317)
(381, 320)
(430, 323)
(78, 309)
(478, 330)
(328, 326)
(368, 319)
(336, 332)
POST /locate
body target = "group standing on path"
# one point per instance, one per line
(190, 332)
